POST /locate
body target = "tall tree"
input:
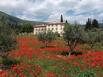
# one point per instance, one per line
(95, 24)
(88, 24)
(66, 21)
(61, 18)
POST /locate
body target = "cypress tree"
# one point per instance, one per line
(88, 24)
(95, 24)
(61, 18)
(66, 21)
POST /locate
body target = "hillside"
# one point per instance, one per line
(11, 20)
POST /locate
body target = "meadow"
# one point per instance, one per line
(30, 59)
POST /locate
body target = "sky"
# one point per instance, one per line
(50, 10)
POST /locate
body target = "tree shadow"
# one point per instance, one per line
(7, 62)
(75, 53)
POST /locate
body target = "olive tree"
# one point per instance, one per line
(46, 37)
(93, 37)
(72, 35)
(7, 40)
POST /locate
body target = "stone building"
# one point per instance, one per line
(54, 27)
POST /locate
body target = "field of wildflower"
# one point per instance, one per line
(31, 60)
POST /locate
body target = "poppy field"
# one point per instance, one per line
(34, 61)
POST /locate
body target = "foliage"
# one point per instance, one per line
(91, 24)
(57, 34)
(95, 23)
(46, 37)
(7, 39)
(26, 28)
(61, 18)
(88, 24)
(93, 37)
(72, 35)
(7, 43)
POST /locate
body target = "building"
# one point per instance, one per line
(54, 27)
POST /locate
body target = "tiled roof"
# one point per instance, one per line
(51, 23)
(55, 23)
(37, 26)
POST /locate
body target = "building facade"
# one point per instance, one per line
(54, 27)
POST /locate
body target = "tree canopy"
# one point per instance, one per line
(7, 39)
(46, 37)
(91, 24)
(72, 35)
(26, 28)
